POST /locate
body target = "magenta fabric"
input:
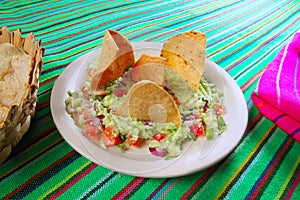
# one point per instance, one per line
(277, 95)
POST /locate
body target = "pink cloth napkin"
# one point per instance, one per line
(277, 95)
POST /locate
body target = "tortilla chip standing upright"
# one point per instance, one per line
(116, 57)
(185, 53)
(149, 67)
(199, 37)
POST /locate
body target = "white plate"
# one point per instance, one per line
(139, 162)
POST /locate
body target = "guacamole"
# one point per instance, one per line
(201, 115)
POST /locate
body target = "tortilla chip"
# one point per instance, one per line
(185, 53)
(15, 74)
(5, 36)
(148, 101)
(199, 37)
(20, 67)
(149, 67)
(116, 57)
(183, 68)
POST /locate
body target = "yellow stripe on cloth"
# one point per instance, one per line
(65, 180)
(218, 196)
(292, 171)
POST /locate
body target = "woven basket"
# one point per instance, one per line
(17, 121)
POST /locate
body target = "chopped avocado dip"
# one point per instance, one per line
(201, 116)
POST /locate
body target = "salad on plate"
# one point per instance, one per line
(158, 102)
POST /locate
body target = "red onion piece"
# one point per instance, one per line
(157, 152)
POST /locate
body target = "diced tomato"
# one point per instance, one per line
(220, 110)
(91, 132)
(94, 121)
(85, 113)
(108, 138)
(159, 136)
(118, 140)
(132, 141)
(111, 141)
(197, 129)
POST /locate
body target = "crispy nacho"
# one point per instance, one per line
(149, 67)
(185, 53)
(116, 57)
(148, 101)
(20, 67)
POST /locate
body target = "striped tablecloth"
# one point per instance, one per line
(242, 37)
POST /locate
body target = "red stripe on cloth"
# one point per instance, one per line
(128, 188)
(42, 134)
(253, 122)
(202, 178)
(293, 187)
(45, 104)
(252, 80)
(48, 80)
(33, 141)
(31, 180)
(158, 189)
(270, 170)
(54, 196)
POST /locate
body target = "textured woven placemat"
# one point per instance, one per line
(242, 37)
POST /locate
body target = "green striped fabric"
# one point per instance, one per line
(242, 37)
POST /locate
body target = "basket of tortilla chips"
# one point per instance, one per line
(159, 102)
(20, 67)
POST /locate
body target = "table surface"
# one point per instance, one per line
(242, 38)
